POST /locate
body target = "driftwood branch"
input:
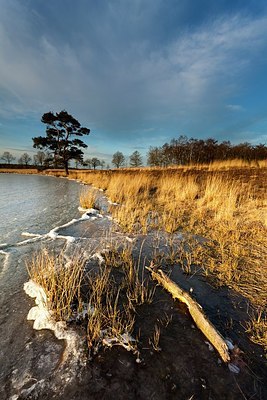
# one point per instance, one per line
(196, 312)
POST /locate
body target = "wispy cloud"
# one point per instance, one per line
(235, 107)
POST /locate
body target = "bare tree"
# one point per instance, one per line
(25, 159)
(88, 163)
(102, 163)
(118, 159)
(95, 162)
(7, 157)
(40, 158)
(155, 157)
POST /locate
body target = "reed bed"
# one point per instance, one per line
(88, 197)
(60, 280)
(226, 207)
(106, 307)
(28, 171)
(220, 208)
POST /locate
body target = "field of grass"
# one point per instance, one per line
(19, 171)
(226, 205)
(221, 210)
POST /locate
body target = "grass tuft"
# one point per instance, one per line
(60, 280)
(88, 198)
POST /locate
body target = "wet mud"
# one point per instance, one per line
(183, 366)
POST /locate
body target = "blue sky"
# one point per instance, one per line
(136, 72)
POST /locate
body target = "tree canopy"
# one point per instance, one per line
(183, 151)
(95, 162)
(8, 157)
(136, 159)
(25, 159)
(118, 159)
(41, 158)
(62, 130)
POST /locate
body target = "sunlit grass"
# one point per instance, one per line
(88, 197)
(223, 202)
(111, 304)
(61, 281)
(229, 211)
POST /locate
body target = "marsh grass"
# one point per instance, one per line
(88, 197)
(111, 302)
(154, 340)
(108, 319)
(61, 281)
(257, 328)
(223, 203)
(136, 286)
(114, 300)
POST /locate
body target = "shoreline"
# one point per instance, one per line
(78, 176)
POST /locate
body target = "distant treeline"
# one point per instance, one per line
(183, 151)
(20, 166)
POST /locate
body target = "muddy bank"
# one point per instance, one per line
(178, 362)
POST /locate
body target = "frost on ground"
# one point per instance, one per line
(43, 319)
(6, 256)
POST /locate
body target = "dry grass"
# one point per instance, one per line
(224, 202)
(237, 163)
(257, 328)
(88, 198)
(60, 280)
(154, 341)
(109, 319)
(28, 171)
(114, 301)
(136, 287)
(111, 303)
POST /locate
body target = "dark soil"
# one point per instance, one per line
(182, 368)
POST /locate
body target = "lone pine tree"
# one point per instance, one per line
(61, 139)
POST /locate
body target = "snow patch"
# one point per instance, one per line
(99, 257)
(113, 203)
(84, 313)
(6, 260)
(34, 238)
(4, 253)
(43, 319)
(82, 209)
(29, 234)
(211, 348)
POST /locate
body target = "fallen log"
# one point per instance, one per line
(202, 322)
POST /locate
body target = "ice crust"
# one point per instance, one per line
(43, 319)
(88, 214)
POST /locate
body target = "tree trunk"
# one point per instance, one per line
(66, 166)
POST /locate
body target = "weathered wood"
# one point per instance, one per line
(196, 312)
